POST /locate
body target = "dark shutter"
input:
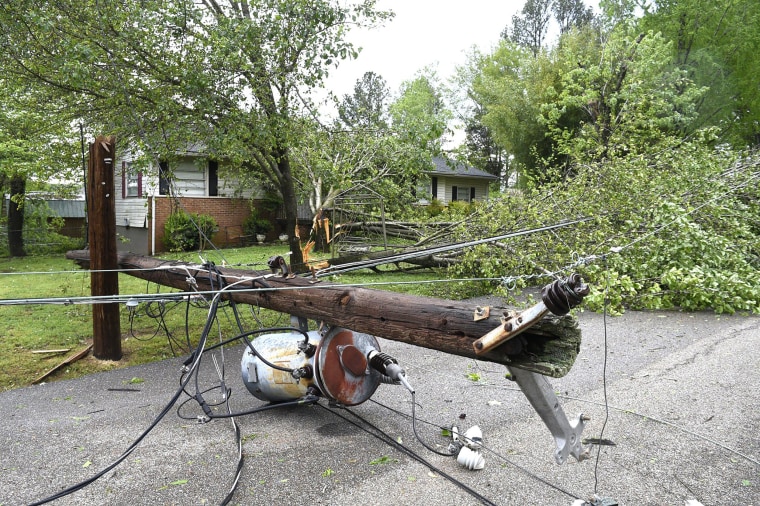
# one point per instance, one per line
(472, 194)
(453, 193)
(213, 178)
(123, 179)
(434, 184)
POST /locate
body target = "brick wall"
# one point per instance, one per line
(229, 214)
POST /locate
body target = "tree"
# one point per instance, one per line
(529, 28)
(511, 85)
(32, 149)
(164, 75)
(571, 14)
(330, 162)
(630, 96)
(481, 149)
(419, 115)
(367, 107)
(718, 44)
(419, 120)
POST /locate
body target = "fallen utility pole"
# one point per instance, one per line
(549, 347)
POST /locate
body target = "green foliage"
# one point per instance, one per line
(419, 114)
(253, 224)
(434, 209)
(718, 44)
(41, 231)
(185, 232)
(366, 108)
(683, 234)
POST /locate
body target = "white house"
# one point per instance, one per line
(450, 181)
(146, 197)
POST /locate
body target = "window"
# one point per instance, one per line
(465, 193)
(163, 178)
(131, 181)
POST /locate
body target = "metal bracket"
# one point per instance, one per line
(481, 313)
(540, 394)
(512, 325)
(558, 297)
(278, 262)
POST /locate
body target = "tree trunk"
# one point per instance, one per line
(549, 347)
(16, 216)
(290, 204)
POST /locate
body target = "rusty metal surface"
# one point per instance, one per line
(340, 373)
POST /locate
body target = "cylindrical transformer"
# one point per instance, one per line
(270, 384)
(340, 366)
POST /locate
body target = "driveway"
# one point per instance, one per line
(682, 422)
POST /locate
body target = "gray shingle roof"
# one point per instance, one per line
(446, 167)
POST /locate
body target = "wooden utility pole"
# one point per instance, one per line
(550, 347)
(106, 328)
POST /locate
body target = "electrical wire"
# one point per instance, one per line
(382, 436)
(131, 448)
(604, 382)
(484, 447)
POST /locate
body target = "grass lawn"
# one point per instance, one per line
(155, 332)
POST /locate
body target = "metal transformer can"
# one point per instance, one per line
(340, 366)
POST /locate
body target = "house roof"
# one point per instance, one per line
(67, 208)
(64, 208)
(446, 167)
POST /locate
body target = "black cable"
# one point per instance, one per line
(382, 436)
(136, 442)
(416, 435)
(604, 381)
(493, 452)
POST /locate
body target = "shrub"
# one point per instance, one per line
(253, 224)
(185, 232)
(434, 208)
(41, 231)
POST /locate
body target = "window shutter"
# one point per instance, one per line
(213, 178)
(453, 193)
(123, 179)
(472, 193)
(139, 184)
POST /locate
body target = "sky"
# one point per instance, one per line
(422, 33)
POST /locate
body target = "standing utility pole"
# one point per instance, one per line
(104, 280)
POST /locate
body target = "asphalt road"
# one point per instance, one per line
(684, 417)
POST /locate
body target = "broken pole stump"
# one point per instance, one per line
(104, 280)
(549, 347)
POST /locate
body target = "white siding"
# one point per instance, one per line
(446, 184)
(189, 179)
(132, 211)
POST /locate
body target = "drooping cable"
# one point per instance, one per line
(604, 380)
(416, 435)
(485, 448)
(74, 488)
(377, 433)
